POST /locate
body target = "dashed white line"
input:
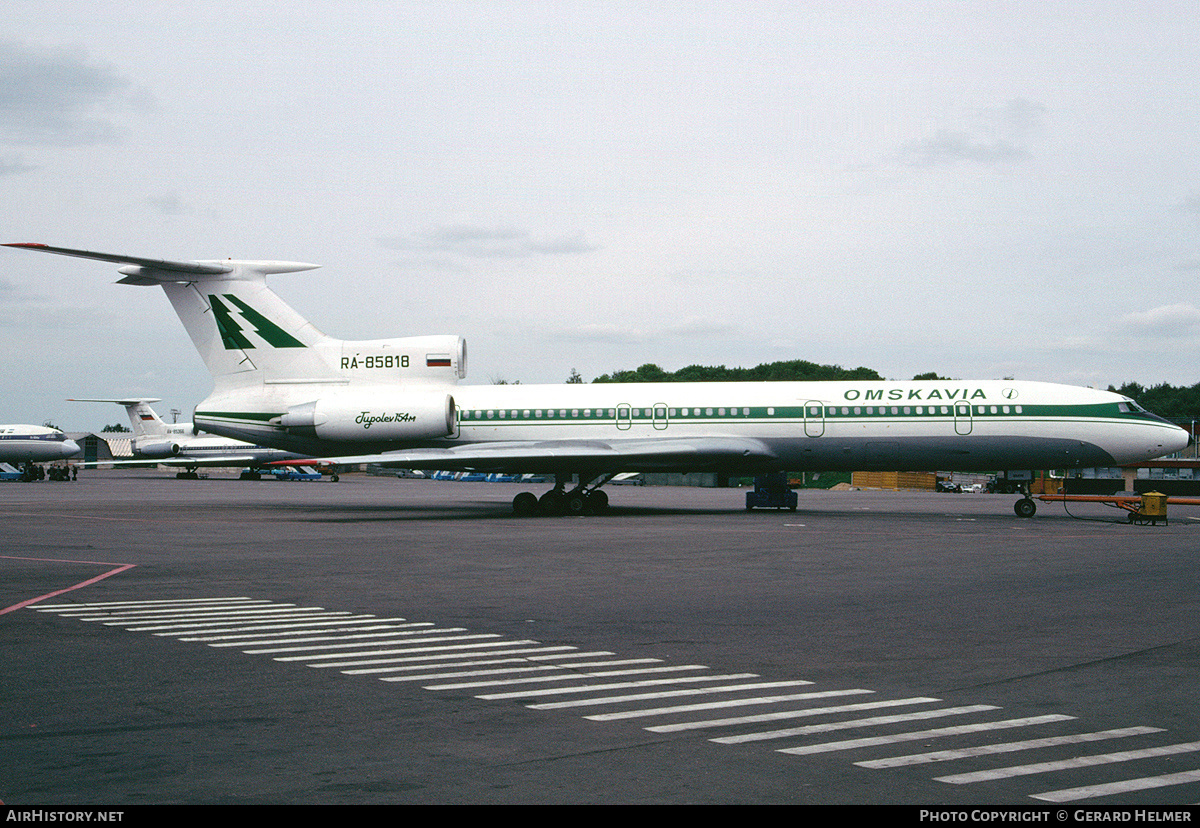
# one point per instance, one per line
(852, 723)
(778, 716)
(397, 651)
(570, 671)
(406, 662)
(1068, 764)
(956, 730)
(1145, 783)
(659, 694)
(1006, 747)
(589, 688)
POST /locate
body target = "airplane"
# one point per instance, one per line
(180, 444)
(279, 381)
(34, 444)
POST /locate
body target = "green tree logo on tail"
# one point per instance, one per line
(232, 334)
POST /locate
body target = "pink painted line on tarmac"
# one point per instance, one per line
(119, 568)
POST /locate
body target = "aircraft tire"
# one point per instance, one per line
(1025, 508)
(597, 501)
(525, 504)
(552, 503)
(576, 503)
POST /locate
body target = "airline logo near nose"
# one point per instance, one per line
(233, 333)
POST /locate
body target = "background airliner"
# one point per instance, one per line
(178, 444)
(34, 444)
(278, 381)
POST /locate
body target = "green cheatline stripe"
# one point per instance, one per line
(830, 413)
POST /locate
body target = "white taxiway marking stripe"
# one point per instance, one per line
(334, 634)
(661, 694)
(399, 651)
(587, 688)
(264, 626)
(227, 617)
(1069, 764)
(956, 730)
(404, 654)
(198, 612)
(66, 609)
(1006, 747)
(398, 637)
(294, 627)
(183, 627)
(527, 668)
(846, 725)
(576, 675)
(478, 663)
(1143, 784)
(424, 661)
(771, 717)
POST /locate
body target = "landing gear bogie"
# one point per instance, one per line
(581, 500)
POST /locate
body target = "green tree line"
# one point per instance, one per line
(789, 370)
(1179, 403)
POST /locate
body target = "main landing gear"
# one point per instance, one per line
(581, 500)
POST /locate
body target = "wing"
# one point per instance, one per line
(564, 456)
(184, 460)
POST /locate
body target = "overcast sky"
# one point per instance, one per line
(978, 189)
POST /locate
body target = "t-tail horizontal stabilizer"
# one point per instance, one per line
(142, 271)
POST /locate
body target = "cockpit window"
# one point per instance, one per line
(1129, 406)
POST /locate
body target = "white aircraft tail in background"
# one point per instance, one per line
(179, 444)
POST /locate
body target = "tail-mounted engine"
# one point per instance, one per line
(155, 448)
(373, 416)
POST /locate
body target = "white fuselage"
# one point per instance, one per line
(835, 425)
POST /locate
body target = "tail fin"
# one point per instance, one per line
(243, 331)
(247, 335)
(142, 418)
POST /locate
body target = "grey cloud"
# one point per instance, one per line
(1018, 115)
(949, 147)
(604, 333)
(1163, 321)
(168, 205)
(614, 334)
(486, 243)
(14, 165)
(47, 96)
(992, 138)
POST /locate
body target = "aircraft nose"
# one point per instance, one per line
(1178, 441)
(70, 448)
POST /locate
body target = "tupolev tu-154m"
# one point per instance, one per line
(278, 381)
